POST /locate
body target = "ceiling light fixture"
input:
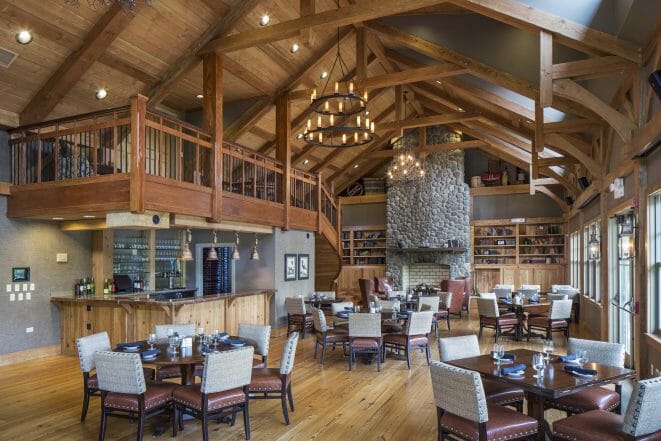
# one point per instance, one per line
(264, 20)
(213, 254)
(355, 166)
(294, 48)
(254, 255)
(199, 96)
(101, 94)
(57, 218)
(187, 254)
(306, 162)
(323, 74)
(341, 120)
(24, 37)
(88, 216)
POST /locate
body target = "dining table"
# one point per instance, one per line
(186, 358)
(520, 309)
(555, 381)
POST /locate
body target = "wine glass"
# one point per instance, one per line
(548, 349)
(582, 356)
(151, 339)
(173, 342)
(538, 364)
(497, 352)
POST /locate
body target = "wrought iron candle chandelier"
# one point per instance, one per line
(342, 119)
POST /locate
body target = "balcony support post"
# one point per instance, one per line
(137, 160)
(283, 150)
(212, 116)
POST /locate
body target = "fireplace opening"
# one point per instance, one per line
(415, 274)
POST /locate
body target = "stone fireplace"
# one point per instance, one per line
(428, 213)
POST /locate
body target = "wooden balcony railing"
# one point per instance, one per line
(177, 157)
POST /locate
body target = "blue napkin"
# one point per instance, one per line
(207, 351)
(130, 345)
(579, 370)
(532, 300)
(222, 335)
(343, 314)
(514, 368)
(505, 300)
(235, 342)
(508, 357)
(348, 308)
(568, 357)
(151, 353)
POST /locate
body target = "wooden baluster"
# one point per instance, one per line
(137, 181)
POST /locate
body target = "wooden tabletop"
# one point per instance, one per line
(556, 381)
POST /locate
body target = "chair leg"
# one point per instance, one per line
(323, 352)
(283, 399)
(86, 403)
(246, 419)
(316, 346)
(102, 430)
(378, 359)
(205, 426)
(288, 325)
(233, 420)
(448, 320)
(428, 352)
(408, 355)
(141, 424)
(175, 418)
(480, 334)
(291, 397)
(350, 357)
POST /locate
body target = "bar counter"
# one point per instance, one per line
(130, 317)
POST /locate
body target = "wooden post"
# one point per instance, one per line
(283, 150)
(137, 161)
(212, 117)
(102, 255)
(603, 267)
(361, 56)
(320, 183)
(640, 278)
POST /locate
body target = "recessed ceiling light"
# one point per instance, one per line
(264, 20)
(299, 136)
(439, 82)
(355, 166)
(199, 96)
(306, 161)
(101, 94)
(294, 48)
(24, 37)
(88, 216)
(323, 74)
(58, 218)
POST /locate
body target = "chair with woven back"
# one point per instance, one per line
(415, 336)
(339, 307)
(261, 334)
(124, 391)
(162, 333)
(445, 300)
(497, 392)
(597, 397)
(327, 335)
(556, 321)
(365, 336)
(224, 389)
(298, 318)
(490, 317)
(275, 383)
(640, 422)
(430, 303)
(463, 410)
(87, 346)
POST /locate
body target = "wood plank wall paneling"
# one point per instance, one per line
(327, 264)
(348, 278)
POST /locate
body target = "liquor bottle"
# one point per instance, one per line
(81, 287)
(76, 287)
(106, 287)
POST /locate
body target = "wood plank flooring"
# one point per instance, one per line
(41, 399)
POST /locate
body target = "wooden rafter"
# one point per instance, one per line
(431, 148)
(354, 177)
(554, 197)
(102, 34)
(334, 18)
(246, 75)
(567, 32)
(428, 121)
(189, 59)
(571, 126)
(592, 68)
(413, 76)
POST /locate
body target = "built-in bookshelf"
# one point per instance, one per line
(364, 245)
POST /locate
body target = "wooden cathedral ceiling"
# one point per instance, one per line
(154, 50)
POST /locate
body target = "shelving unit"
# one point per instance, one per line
(494, 245)
(167, 259)
(364, 245)
(132, 254)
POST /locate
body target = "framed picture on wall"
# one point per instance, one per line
(303, 266)
(290, 267)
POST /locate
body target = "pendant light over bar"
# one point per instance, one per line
(235, 252)
(213, 254)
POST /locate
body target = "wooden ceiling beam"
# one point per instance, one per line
(431, 148)
(551, 195)
(571, 126)
(223, 25)
(568, 185)
(412, 76)
(592, 68)
(65, 77)
(559, 161)
(428, 121)
(363, 172)
(9, 119)
(334, 18)
(246, 75)
(565, 31)
(565, 145)
(444, 8)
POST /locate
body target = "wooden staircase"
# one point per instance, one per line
(327, 263)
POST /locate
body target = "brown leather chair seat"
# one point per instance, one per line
(544, 321)
(391, 327)
(400, 339)
(502, 320)
(93, 382)
(501, 393)
(258, 364)
(171, 371)
(365, 343)
(596, 425)
(503, 424)
(443, 313)
(190, 396)
(266, 380)
(593, 398)
(155, 395)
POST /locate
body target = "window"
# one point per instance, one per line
(621, 289)
(654, 294)
(591, 267)
(574, 259)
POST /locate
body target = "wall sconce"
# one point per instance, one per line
(594, 246)
(213, 254)
(255, 254)
(187, 254)
(626, 236)
(235, 252)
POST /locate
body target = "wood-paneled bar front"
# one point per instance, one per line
(132, 317)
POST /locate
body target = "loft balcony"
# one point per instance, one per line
(135, 159)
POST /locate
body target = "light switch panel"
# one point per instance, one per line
(12, 297)
(61, 257)
(31, 286)
(28, 296)
(9, 287)
(17, 287)
(20, 296)
(25, 287)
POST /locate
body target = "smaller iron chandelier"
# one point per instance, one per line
(405, 166)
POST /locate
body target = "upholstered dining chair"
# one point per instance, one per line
(487, 295)
(490, 317)
(502, 292)
(261, 334)
(388, 305)
(338, 307)
(572, 294)
(640, 422)
(184, 330)
(298, 319)
(472, 417)
(504, 286)
(328, 295)
(380, 285)
(531, 287)
(224, 387)
(365, 336)
(87, 347)
(366, 290)
(275, 383)
(556, 321)
(415, 336)
(124, 391)
(327, 335)
(555, 296)
(456, 287)
(497, 392)
(430, 303)
(597, 397)
(445, 300)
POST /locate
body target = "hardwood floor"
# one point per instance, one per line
(41, 399)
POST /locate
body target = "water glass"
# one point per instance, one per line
(538, 364)
(173, 342)
(548, 349)
(497, 352)
(583, 356)
(151, 339)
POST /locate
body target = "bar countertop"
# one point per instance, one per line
(143, 297)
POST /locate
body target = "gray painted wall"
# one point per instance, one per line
(518, 205)
(364, 214)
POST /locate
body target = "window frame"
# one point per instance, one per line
(654, 262)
